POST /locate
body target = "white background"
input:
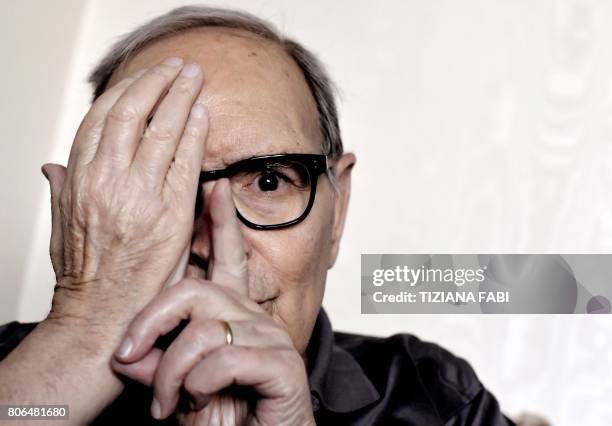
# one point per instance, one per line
(479, 127)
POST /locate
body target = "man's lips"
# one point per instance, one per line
(268, 304)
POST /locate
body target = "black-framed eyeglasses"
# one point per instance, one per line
(271, 191)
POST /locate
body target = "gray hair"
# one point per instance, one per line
(188, 17)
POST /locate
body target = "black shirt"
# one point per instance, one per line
(354, 380)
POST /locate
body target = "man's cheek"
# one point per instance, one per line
(292, 256)
(296, 311)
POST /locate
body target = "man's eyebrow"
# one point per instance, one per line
(223, 163)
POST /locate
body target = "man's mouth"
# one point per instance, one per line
(269, 305)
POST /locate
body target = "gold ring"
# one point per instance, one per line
(229, 335)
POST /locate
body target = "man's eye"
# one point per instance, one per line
(268, 181)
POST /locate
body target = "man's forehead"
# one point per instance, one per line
(257, 97)
(218, 47)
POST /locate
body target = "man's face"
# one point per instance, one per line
(259, 104)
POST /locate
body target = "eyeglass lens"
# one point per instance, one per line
(272, 193)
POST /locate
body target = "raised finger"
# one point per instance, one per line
(182, 178)
(126, 119)
(229, 260)
(88, 135)
(161, 138)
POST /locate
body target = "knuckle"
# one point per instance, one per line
(183, 87)
(183, 171)
(160, 132)
(197, 333)
(123, 112)
(193, 132)
(231, 356)
(92, 122)
(291, 361)
(211, 289)
(162, 71)
(191, 287)
(199, 336)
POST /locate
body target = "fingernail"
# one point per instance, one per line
(191, 70)
(173, 62)
(198, 110)
(125, 348)
(155, 409)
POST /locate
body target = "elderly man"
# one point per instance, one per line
(202, 205)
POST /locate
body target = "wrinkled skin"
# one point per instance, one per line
(123, 229)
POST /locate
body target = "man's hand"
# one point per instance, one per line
(261, 359)
(128, 198)
(121, 222)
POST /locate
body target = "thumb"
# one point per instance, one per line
(143, 370)
(56, 175)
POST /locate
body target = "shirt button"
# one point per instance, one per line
(315, 403)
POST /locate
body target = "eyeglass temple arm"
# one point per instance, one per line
(212, 175)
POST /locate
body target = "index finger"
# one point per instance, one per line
(229, 261)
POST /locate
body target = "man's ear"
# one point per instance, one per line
(343, 168)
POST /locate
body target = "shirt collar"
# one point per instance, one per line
(336, 379)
